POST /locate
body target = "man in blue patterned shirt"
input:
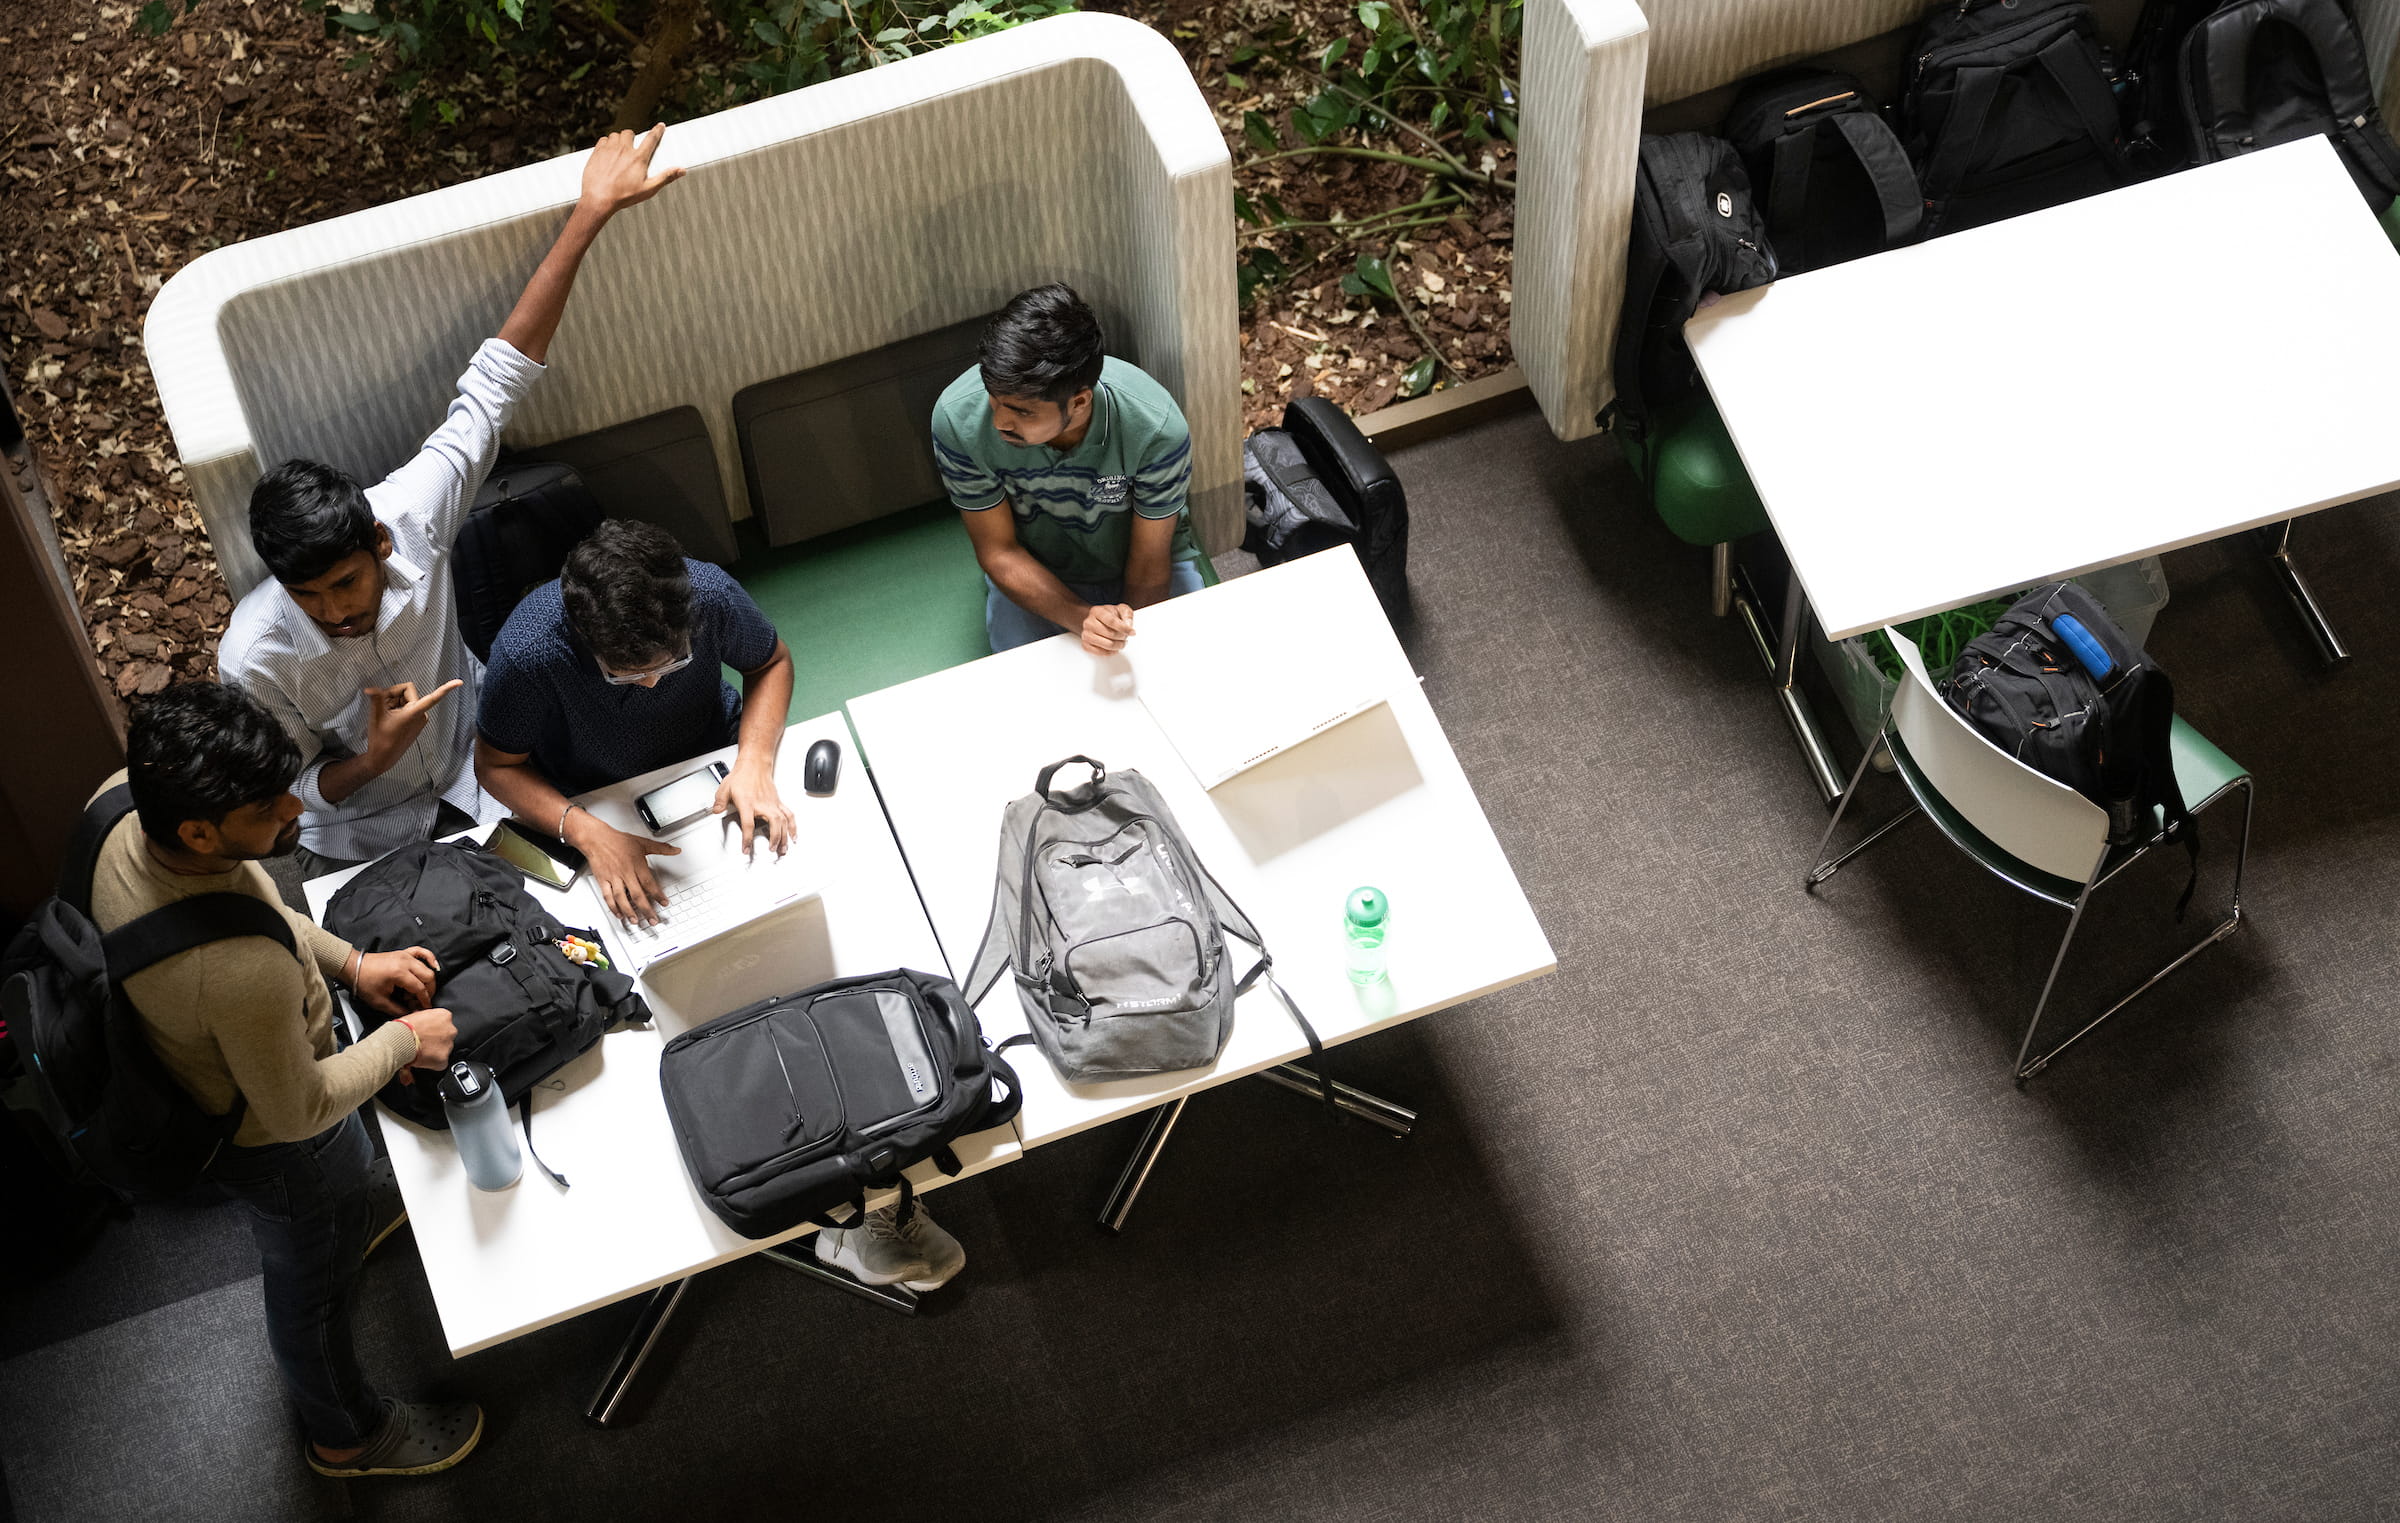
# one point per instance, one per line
(1093, 461)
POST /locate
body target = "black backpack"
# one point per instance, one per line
(1695, 230)
(2263, 72)
(2008, 107)
(524, 1009)
(1317, 482)
(2057, 685)
(794, 1107)
(2151, 87)
(99, 1084)
(526, 518)
(1833, 177)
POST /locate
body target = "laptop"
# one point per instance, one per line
(1227, 708)
(713, 889)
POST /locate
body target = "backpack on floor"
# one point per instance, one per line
(2008, 107)
(526, 517)
(794, 1107)
(524, 1009)
(1695, 231)
(2150, 92)
(123, 1119)
(1116, 933)
(2263, 72)
(1317, 482)
(2057, 685)
(1834, 180)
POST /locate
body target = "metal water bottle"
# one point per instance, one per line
(487, 1145)
(1364, 919)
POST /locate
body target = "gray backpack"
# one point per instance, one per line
(1116, 932)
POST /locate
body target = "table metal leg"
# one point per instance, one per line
(647, 1325)
(898, 1298)
(2277, 541)
(1397, 1119)
(1782, 658)
(1137, 1168)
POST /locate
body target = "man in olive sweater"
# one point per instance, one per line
(243, 1022)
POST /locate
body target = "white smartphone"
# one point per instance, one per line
(674, 805)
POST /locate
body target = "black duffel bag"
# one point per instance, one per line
(1318, 482)
(524, 1009)
(796, 1107)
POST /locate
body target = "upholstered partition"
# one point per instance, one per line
(814, 226)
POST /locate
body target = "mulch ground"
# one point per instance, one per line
(124, 156)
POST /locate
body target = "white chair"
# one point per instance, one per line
(2034, 832)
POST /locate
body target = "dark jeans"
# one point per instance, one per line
(310, 1215)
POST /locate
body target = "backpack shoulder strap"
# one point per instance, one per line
(1646, 267)
(1970, 107)
(1879, 153)
(189, 923)
(83, 847)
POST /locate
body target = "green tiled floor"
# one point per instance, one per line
(870, 606)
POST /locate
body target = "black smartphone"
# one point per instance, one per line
(537, 854)
(674, 805)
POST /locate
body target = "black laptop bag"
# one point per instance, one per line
(1834, 180)
(796, 1107)
(526, 518)
(524, 1009)
(1318, 482)
(2008, 107)
(1695, 230)
(2264, 72)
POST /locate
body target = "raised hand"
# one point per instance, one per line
(617, 175)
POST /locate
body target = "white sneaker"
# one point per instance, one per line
(881, 1251)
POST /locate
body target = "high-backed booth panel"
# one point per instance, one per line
(812, 227)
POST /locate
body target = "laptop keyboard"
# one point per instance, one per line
(708, 898)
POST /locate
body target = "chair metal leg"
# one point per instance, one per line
(1826, 869)
(2074, 919)
(1395, 1118)
(2219, 932)
(1129, 1184)
(1720, 578)
(633, 1353)
(2278, 542)
(897, 1298)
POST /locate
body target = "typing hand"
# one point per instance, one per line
(617, 175)
(749, 798)
(397, 982)
(1106, 628)
(396, 716)
(620, 866)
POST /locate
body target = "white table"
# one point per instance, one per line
(504, 1263)
(2070, 389)
(1379, 799)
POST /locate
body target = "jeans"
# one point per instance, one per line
(310, 1216)
(1011, 626)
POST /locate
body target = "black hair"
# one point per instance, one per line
(1045, 343)
(201, 750)
(305, 516)
(628, 593)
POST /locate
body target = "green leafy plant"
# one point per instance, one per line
(802, 42)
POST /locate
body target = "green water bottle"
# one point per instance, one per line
(1365, 918)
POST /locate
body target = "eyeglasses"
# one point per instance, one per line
(624, 679)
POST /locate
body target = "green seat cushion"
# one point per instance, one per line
(2200, 768)
(866, 607)
(1696, 478)
(2390, 218)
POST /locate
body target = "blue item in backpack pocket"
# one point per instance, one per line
(2089, 651)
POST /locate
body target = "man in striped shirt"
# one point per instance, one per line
(1092, 460)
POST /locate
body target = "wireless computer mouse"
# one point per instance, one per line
(824, 764)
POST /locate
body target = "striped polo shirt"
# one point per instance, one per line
(1073, 510)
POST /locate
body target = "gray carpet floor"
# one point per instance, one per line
(1736, 1217)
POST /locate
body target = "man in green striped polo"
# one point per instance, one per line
(1092, 460)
